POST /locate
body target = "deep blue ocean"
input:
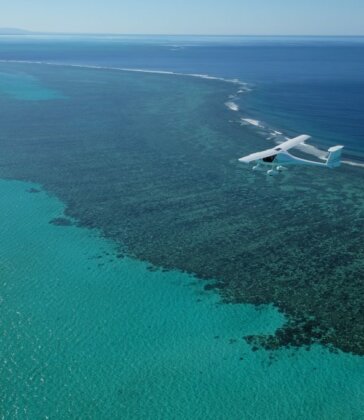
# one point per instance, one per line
(145, 273)
(311, 85)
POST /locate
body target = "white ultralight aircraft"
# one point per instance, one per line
(278, 157)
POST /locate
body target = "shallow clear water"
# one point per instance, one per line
(25, 87)
(87, 335)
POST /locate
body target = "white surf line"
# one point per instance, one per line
(243, 86)
(351, 163)
(232, 106)
(253, 122)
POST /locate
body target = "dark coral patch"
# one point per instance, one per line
(61, 221)
(33, 190)
(296, 333)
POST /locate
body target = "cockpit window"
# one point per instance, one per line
(269, 158)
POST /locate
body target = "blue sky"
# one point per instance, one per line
(256, 17)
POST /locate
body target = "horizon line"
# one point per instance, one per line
(192, 35)
(22, 32)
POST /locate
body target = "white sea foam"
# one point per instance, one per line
(232, 105)
(177, 47)
(350, 162)
(250, 121)
(243, 86)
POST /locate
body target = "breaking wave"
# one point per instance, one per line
(251, 121)
(232, 106)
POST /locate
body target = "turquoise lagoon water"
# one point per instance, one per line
(88, 335)
(25, 87)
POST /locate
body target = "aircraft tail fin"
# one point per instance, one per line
(334, 158)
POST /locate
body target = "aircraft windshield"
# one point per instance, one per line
(269, 158)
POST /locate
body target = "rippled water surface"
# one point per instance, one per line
(89, 335)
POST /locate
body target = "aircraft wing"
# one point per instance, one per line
(257, 156)
(270, 152)
(286, 145)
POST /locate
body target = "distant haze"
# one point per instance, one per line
(205, 17)
(13, 31)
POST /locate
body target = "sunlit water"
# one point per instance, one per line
(87, 335)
